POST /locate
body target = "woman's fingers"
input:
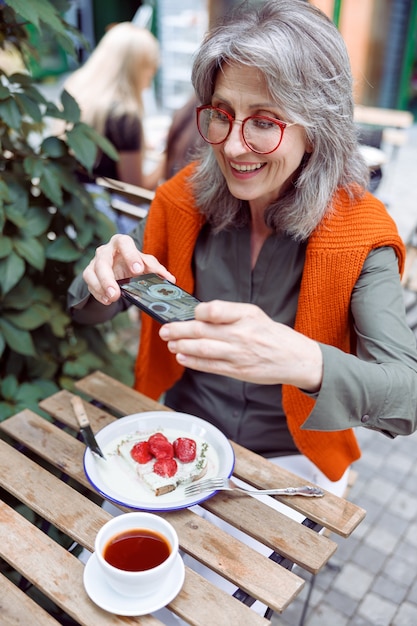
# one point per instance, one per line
(118, 259)
(241, 341)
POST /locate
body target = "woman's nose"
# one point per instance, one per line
(234, 144)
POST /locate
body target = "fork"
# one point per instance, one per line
(225, 484)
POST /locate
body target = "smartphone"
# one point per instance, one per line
(159, 298)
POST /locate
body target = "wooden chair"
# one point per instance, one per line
(389, 128)
(394, 124)
(130, 200)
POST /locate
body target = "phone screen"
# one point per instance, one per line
(159, 298)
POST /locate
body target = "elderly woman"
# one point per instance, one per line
(301, 334)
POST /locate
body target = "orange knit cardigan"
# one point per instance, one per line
(335, 254)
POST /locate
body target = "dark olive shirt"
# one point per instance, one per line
(249, 414)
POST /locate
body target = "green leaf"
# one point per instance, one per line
(18, 340)
(5, 246)
(62, 250)
(58, 321)
(85, 149)
(43, 294)
(50, 186)
(4, 92)
(18, 201)
(31, 250)
(71, 110)
(26, 10)
(15, 212)
(10, 114)
(52, 110)
(11, 271)
(21, 296)
(67, 43)
(54, 147)
(28, 107)
(4, 190)
(103, 143)
(67, 179)
(26, 82)
(6, 410)
(33, 166)
(28, 395)
(9, 387)
(85, 235)
(37, 11)
(46, 387)
(37, 222)
(82, 365)
(32, 318)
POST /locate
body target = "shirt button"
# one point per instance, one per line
(365, 418)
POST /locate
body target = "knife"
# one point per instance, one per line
(85, 428)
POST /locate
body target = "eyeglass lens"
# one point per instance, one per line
(260, 133)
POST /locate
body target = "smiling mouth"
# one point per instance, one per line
(248, 167)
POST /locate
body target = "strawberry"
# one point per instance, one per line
(165, 467)
(141, 453)
(185, 449)
(160, 447)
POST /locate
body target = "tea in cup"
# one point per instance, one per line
(136, 552)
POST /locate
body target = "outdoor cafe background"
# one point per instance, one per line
(381, 36)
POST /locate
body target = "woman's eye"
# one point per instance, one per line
(263, 124)
(219, 116)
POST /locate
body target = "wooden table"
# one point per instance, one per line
(41, 465)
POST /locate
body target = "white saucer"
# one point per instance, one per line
(100, 592)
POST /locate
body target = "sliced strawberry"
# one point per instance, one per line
(141, 453)
(165, 467)
(157, 436)
(185, 449)
(160, 447)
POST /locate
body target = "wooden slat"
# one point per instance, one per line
(49, 442)
(18, 609)
(116, 395)
(214, 606)
(59, 407)
(126, 189)
(336, 514)
(49, 497)
(55, 571)
(262, 578)
(339, 516)
(235, 561)
(307, 548)
(247, 512)
(378, 116)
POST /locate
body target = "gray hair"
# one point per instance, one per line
(304, 61)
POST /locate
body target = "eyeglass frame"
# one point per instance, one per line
(282, 125)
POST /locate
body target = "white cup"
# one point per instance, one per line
(136, 583)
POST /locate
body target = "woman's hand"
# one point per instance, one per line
(241, 341)
(119, 258)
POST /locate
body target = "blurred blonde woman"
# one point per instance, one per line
(109, 88)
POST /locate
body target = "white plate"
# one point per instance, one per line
(102, 594)
(112, 479)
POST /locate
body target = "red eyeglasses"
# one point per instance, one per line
(261, 134)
